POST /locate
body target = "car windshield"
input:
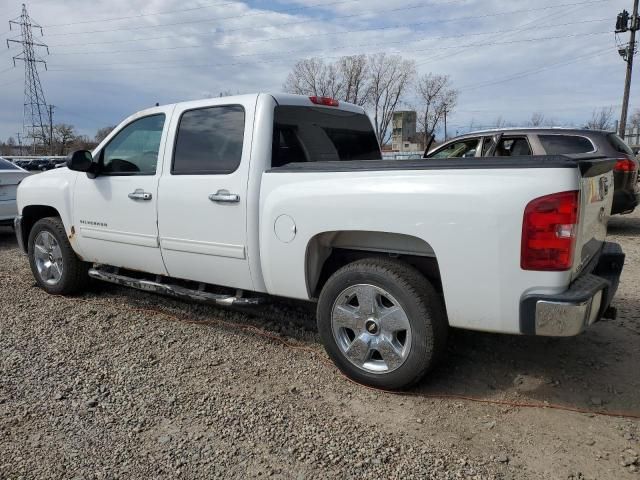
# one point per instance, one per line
(462, 148)
(7, 165)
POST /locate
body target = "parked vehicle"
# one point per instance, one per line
(228, 200)
(574, 143)
(10, 176)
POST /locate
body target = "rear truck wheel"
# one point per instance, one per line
(54, 264)
(382, 323)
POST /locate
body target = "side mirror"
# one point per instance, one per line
(80, 161)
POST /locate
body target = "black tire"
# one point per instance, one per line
(414, 294)
(74, 277)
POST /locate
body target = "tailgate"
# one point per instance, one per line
(596, 197)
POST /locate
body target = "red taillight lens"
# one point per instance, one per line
(549, 232)
(326, 101)
(625, 165)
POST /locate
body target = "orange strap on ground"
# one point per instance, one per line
(320, 355)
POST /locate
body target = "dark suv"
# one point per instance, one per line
(554, 141)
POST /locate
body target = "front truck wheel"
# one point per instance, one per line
(382, 322)
(54, 264)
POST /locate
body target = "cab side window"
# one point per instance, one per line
(209, 141)
(134, 150)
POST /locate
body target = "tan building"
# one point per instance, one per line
(404, 137)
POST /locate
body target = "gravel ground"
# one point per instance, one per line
(105, 386)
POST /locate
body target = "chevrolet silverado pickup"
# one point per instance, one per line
(231, 200)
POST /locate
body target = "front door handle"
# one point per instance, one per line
(224, 196)
(140, 194)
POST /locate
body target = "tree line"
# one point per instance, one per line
(381, 83)
(65, 140)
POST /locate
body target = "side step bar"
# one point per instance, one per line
(172, 290)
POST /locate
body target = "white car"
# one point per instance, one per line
(10, 176)
(229, 200)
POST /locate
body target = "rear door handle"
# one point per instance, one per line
(224, 196)
(140, 194)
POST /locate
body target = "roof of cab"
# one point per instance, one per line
(303, 100)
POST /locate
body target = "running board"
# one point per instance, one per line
(172, 290)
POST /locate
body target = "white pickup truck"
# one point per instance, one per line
(229, 200)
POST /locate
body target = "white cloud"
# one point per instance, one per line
(254, 50)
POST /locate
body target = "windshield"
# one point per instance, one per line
(7, 165)
(461, 148)
(314, 134)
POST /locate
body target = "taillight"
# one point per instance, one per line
(549, 231)
(625, 165)
(326, 101)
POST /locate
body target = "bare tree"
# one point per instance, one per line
(102, 133)
(499, 122)
(353, 71)
(601, 119)
(378, 82)
(537, 119)
(435, 97)
(63, 135)
(314, 77)
(389, 79)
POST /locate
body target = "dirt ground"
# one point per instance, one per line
(99, 386)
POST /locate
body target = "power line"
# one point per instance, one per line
(525, 26)
(268, 12)
(368, 13)
(287, 58)
(180, 47)
(182, 10)
(526, 73)
(11, 83)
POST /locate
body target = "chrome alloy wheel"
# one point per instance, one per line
(48, 257)
(371, 329)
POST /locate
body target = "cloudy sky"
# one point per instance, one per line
(109, 58)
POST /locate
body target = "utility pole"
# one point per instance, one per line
(51, 107)
(627, 53)
(445, 123)
(35, 105)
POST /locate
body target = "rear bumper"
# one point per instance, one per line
(572, 311)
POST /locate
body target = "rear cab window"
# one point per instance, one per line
(317, 134)
(565, 144)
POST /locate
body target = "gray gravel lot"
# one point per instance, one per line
(101, 386)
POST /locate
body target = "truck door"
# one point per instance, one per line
(115, 214)
(202, 211)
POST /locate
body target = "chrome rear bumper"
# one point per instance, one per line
(584, 303)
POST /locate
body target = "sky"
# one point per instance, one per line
(108, 59)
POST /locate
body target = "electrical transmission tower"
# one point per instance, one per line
(36, 118)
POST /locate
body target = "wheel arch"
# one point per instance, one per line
(327, 252)
(30, 215)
